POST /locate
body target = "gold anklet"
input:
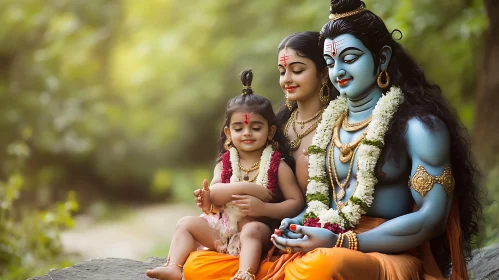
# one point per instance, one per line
(249, 272)
(168, 263)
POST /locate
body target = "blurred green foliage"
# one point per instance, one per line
(117, 98)
(29, 239)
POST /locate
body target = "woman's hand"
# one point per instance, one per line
(250, 205)
(313, 238)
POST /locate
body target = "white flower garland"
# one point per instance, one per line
(368, 155)
(234, 213)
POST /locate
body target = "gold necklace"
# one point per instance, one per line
(254, 167)
(302, 123)
(253, 179)
(341, 192)
(355, 126)
(294, 144)
(346, 150)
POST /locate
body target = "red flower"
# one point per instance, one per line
(226, 168)
(332, 227)
(272, 185)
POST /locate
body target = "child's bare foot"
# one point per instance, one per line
(170, 272)
(241, 275)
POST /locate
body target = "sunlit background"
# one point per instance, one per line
(111, 110)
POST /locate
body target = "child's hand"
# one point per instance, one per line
(203, 197)
(250, 205)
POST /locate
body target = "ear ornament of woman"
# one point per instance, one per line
(387, 80)
(324, 93)
(289, 104)
(228, 144)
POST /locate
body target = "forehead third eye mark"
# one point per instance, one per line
(332, 47)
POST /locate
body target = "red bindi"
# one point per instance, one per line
(246, 118)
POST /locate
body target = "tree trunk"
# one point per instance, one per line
(486, 127)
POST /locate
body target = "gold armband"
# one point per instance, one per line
(423, 182)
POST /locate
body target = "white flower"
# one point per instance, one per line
(234, 213)
(367, 155)
(316, 207)
(316, 187)
(330, 216)
(262, 178)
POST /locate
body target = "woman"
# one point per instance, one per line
(306, 85)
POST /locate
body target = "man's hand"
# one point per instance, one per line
(313, 238)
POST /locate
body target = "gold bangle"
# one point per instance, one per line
(353, 243)
(338, 240)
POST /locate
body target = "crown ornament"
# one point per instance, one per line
(347, 14)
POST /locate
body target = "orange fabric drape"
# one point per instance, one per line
(338, 263)
(453, 231)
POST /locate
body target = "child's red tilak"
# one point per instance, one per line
(246, 118)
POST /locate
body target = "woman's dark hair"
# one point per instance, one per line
(306, 44)
(251, 102)
(422, 99)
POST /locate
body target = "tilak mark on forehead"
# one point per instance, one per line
(246, 118)
(333, 47)
(284, 58)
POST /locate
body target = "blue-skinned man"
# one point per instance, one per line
(392, 190)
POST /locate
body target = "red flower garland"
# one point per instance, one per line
(332, 227)
(272, 185)
(271, 173)
(226, 168)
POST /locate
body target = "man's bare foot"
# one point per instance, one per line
(170, 272)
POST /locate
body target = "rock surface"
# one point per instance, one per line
(485, 266)
(104, 269)
(485, 263)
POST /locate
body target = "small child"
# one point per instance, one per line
(251, 185)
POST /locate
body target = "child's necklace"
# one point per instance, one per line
(254, 167)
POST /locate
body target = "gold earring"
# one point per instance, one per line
(289, 105)
(380, 83)
(227, 144)
(274, 144)
(324, 93)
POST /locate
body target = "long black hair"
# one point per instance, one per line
(422, 99)
(251, 102)
(306, 44)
